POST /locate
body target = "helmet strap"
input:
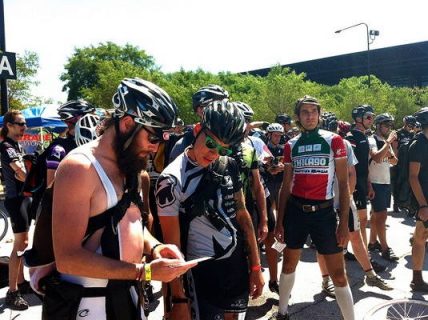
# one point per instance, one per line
(125, 140)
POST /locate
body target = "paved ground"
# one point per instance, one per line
(307, 301)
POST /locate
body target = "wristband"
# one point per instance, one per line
(147, 272)
(179, 300)
(154, 247)
(256, 268)
(424, 206)
(139, 271)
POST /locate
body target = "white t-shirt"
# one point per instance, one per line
(378, 172)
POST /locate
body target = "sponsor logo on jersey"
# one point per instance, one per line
(301, 149)
(317, 147)
(310, 162)
(11, 153)
(165, 191)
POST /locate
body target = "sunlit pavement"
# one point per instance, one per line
(307, 301)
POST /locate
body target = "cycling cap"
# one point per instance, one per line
(207, 94)
(86, 129)
(74, 108)
(409, 120)
(283, 119)
(225, 121)
(306, 100)
(275, 127)
(245, 109)
(148, 104)
(383, 117)
(344, 127)
(361, 110)
(422, 116)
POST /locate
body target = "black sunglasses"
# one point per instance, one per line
(152, 137)
(21, 124)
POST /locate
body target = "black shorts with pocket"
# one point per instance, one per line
(360, 193)
(320, 225)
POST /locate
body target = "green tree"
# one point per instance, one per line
(83, 69)
(19, 90)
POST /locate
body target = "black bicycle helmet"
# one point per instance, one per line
(74, 108)
(148, 104)
(329, 121)
(361, 110)
(422, 116)
(409, 120)
(246, 110)
(383, 117)
(225, 121)
(306, 100)
(283, 119)
(205, 95)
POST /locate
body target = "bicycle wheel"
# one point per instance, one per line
(406, 309)
(4, 224)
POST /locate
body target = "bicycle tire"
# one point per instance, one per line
(403, 309)
(4, 224)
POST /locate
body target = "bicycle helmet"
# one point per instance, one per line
(246, 110)
(306, 100)
(225, 121)
(361, 110)
(179, 122)
(409, 120)
(329, 122)
(86, 129)
(207, 94)
(147, 103)
(74, 108)
(422, 116)
(344, 127)
(283, 119)
(275, 127)
(383, 117)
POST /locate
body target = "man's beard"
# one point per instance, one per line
(128, 161)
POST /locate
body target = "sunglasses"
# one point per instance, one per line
(21, 124)
(152, 137)
(210, 143)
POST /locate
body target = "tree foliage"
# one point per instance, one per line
(94, 73)
(19, 90)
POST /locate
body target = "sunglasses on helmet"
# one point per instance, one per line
(210, 143)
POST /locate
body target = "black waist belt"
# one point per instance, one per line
(311, 207)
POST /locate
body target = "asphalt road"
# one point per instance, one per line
(307, 301)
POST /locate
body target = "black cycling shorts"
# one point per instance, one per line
(320, 225)
(360, 193)
(220, 286)
(18, 217)
(271, 220)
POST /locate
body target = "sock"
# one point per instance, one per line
(370, 273)
(286, 283)
(325, 278)
(417, 276)
(345, 301)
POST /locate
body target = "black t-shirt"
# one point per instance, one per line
(11, 151)
(360, 145)
(278, 156)
(404, 136)
(418, 152)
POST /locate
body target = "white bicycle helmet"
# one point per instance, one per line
(275, 127)
(86, 129)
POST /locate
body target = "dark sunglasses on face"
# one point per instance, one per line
(152, 137)
(21, 124)
(210, 143)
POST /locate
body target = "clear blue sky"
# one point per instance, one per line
(222, 35)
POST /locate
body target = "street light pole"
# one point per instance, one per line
(371, 35)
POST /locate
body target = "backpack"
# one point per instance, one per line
(404, 195)
(35, 182)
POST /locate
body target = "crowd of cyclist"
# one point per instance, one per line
(225, 188)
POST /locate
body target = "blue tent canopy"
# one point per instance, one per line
(45, 116)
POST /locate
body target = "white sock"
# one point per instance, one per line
(286, 283)
(345, 301)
